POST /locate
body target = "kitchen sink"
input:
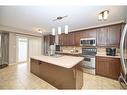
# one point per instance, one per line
(57, 55)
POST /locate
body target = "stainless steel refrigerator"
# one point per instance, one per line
(123, 54)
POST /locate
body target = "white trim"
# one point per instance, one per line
(18, 30)
(17, 36)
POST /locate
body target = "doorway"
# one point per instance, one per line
(22, 49)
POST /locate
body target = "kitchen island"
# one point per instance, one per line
(63, 72)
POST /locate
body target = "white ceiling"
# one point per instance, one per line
(33, 17)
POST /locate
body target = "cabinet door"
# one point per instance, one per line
(108, 67)
(66, 39)
(114, 33)
(102, 36)
(34, 67)
(71, 39)
(61, 39)
(102, 66)
(90, 33)
(77, 38)
(114, 65)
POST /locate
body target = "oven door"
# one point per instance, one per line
(89, 62)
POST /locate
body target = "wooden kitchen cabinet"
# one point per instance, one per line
(105, 36)
(91, 33)
(114, 34)
(58, 76)
(109, 35)
(71, 38)
(102, 34)
(78, 36)
(60, 39)
(64, 39)
(34, 67)
(108, 67)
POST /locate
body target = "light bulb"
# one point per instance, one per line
(100, 16)
(105, 14)
(53, 31)
(66, 29)
(59, 30)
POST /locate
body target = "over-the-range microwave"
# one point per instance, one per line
(88, 42)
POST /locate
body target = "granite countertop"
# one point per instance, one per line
(63, 61)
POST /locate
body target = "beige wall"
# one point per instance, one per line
(13, 48)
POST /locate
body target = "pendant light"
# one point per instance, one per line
(59, 30)
(66, 29)
(53, 31)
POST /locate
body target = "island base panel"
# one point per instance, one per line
(59, 77)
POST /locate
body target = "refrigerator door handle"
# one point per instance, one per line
(121, 50)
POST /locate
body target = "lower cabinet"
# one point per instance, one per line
(108, 67)
(34, 67)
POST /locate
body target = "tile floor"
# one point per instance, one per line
(19, 77)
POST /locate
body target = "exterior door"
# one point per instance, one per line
(22, 49)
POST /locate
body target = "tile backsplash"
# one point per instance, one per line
(71, 49)
(100, 50)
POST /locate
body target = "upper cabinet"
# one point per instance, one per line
(61, 38)
(114, 34)
(102, 36)
(105, 36)
(67, 39)
(90, 33)
(71, 37)
(109, 35)
(78, 36)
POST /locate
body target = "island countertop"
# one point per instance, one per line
(63, 61)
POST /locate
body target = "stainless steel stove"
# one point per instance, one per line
(88, 63)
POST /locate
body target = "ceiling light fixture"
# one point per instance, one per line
(59, 18)
(106, 14)
(59, 30)
(100, 17)
(53, 31)
(103, 15)
(39, 31)
(66, 29)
